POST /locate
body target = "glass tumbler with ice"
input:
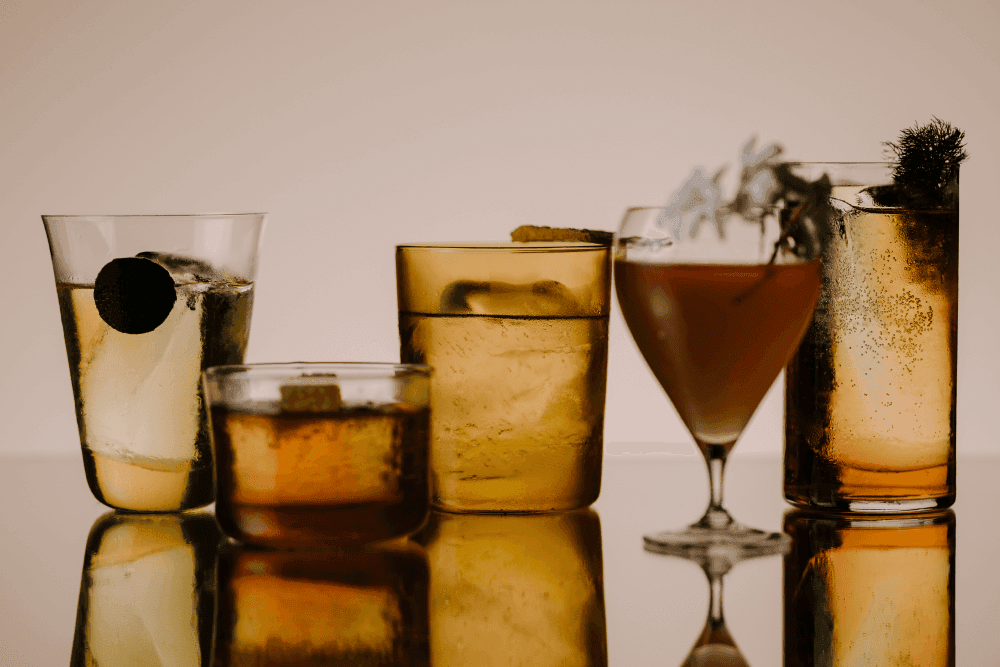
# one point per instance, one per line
(148, 303)
(517, 334)
(319, 454)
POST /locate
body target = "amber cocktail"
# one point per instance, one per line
(871, 394)
(517, 334)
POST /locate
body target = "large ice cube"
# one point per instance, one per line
(878, 196)
(186, 269)
(140, 392)
(546, 298)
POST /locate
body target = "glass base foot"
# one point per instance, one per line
(697, 542)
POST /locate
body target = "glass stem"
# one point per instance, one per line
(716, 515)
(715, 601)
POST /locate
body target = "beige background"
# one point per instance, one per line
(358, 125)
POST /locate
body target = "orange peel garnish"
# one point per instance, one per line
(528, 233)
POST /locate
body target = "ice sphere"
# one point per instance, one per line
(186, 269)
(546, 298)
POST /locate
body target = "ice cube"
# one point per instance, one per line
(139, 393)
(879, 196)
(546, 298)
(185, 269)
(312, 393)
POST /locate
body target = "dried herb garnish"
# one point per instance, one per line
(766, 186)
(925, 176)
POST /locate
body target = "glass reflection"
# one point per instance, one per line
(147, 593)
(715, 646)
(516, 589)
(870, 590)
(357, 607)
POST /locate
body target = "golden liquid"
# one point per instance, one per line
(309, 478)
(516, 590)
(875, 592)
(518, 408)
(870, 397)
(716, 336)
(139, 405)
(147, 595)
(288, 608)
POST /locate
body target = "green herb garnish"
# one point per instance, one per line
(925, 176)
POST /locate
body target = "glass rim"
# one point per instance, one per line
(869, 163)
(292, 369)
(503, 246)
(634, 209)
(111, 216)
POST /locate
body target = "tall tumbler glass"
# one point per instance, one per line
(517, 334)
(147, 303)
(870, 395)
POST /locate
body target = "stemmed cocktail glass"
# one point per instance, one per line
(717, 310)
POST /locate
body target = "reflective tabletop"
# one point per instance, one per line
(84, 585)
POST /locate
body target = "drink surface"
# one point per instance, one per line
(870, 397)
(303, 478)
(139, 401)
(716, 336)
(518, 406)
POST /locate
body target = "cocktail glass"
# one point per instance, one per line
(148, 302)
(716, 316)
(517, 334)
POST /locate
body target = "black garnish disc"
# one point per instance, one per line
(134, 295)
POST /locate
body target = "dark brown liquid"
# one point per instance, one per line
(304, 479)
